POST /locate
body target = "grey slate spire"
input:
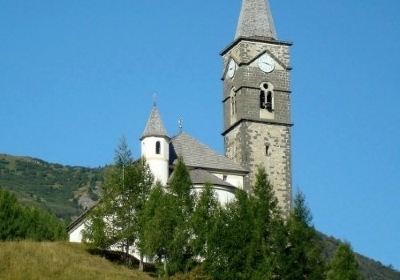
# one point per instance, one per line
(155, 126)
(256, 20)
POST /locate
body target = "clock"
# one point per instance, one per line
(266, 63)
(231, 69)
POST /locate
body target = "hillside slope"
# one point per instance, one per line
(370, 269)
(58, 261)
(63, 190)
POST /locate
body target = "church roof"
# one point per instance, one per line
(154, 126)
(256, 20)
(201, 177)
(198, 155)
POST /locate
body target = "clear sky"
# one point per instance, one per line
(77, 75)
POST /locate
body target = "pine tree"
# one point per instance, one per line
(159, 226)
(230, 239)
(203, 219)
(180, 252)
(269, 236)
(304, 246)
(344, 265)
(18, 222)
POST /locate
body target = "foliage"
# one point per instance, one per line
(18, 222)
(58, 261)
(167, 224)
(195, 274)
(116, 220)
(305, 248)
(62, 190)
(344, 265)
(203, 220)
(229, 241)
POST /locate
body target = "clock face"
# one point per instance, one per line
(231, 69)
(266, 63)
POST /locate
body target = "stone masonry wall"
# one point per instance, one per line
(247, 144)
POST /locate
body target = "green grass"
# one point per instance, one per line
(58, 261)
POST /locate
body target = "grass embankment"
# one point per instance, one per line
(56, 261)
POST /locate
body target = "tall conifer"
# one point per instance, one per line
(344, 265)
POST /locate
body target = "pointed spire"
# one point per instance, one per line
(256, 20)
(155, 126)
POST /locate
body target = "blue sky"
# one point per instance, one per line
(77, 75)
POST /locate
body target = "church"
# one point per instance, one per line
(256, 123)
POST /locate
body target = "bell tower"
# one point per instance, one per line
(256, 99)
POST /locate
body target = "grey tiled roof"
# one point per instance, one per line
(200, 177)
(155, 126)
(198, 155)
(256, 20)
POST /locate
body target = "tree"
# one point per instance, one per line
(180, 252)
(304, 246)
(269, 236)
(344, 265)
(203, 220)
(12, 220)
(18, 222)
(116, 218)
(158, 226)
(230, 239)
(168, 232)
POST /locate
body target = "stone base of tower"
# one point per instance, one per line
(254, 144)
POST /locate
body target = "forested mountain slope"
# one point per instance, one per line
(64, 190)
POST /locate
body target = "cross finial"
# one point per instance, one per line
(180, 124)
(155, 99)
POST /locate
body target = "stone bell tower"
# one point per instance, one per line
(256, 99)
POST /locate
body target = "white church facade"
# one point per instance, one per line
(257, 122)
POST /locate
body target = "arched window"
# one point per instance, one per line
(158, 148)
(262, 99)
(268, 104)
(267, 97)
(233, 103)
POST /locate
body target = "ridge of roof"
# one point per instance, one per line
(198, 155)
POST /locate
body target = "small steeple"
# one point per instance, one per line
(256, 20)
(155, 126)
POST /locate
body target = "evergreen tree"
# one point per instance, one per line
(180, 252)
(344, 265)
(158, 226)
(265, 257)
(203, 219)
(12, 220)
(181, 185)
(168, 230)
(230, 239)
(304, 246)
(18, 222)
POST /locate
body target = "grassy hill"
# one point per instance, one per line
(63, 190)
(58, 261)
